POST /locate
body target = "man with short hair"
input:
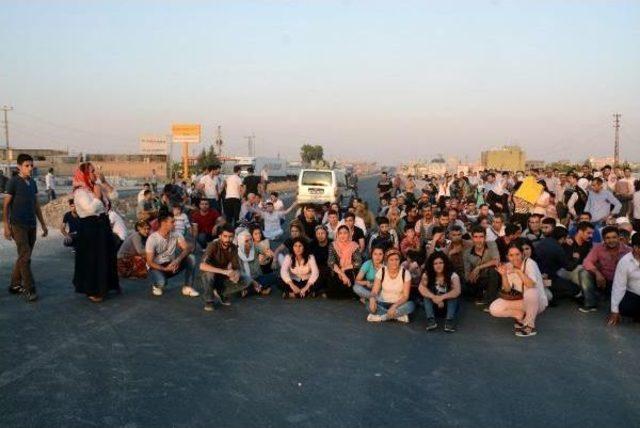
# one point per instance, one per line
(252, 182)
(533, 232)
(50, 184)
(69, 226)
(552, 258)
(384, 186)
(496, 230)
(220, 267)
(278, 205)
(205, 219)
(385, 238)
(601, 263)
(625, 293)
(481, 279)
(586, 217)
(145, 187)
(145, 209)
(511, 233)
(600, 201)
(163, 263)
(210, 185)
(357, 235)
(547, 226)
(234, 192)
(20, 210)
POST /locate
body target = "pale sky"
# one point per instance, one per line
(371, 80)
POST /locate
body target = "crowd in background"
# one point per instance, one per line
(431, 242)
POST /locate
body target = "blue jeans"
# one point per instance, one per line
(214, 204)
(451, 306)
(404, 309)
(362, 291)
(188, 265)
(203, 239)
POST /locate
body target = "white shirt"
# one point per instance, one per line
(50, 181)
(234, 186)
(636, 205)
(391, 288)
(278, 205)
(117, 225)
(492, 236)
(626, 278)
(141, 195)
(272, 225)
(86, 203)
(211, 186)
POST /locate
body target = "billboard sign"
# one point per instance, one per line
(153, 145)
(185, 133)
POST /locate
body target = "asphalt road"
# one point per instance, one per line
(143, 361)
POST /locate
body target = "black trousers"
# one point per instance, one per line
(630, 306)
(232, 210)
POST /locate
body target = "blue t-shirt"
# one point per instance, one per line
(22, 209)
(369, 270)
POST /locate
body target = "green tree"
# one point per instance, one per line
(207, 157)
(309, 153)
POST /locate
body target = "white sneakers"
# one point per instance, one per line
(403, 319)
(380, 318)
(186, 291)
(374, 318)
(189, 291)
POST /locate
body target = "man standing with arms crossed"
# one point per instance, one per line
(21, 207)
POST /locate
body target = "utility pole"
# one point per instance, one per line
(616, 141)
(218, 141)
(6, 109)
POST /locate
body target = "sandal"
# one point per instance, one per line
(526, 331)
(517, 325)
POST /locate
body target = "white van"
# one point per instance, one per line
(318, 186)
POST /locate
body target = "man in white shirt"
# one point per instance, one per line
(50, 183)
(210, 184)
(278, 205)
(234, 192)
(162, 261)
(273, 220)
(145, 187)
(625, 291)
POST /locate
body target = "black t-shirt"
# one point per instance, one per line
(309, 226)
(22, 209)
(581, 250)
(384, 186)
(251, 183)
(71, 221)
(320, 253)
(358, 234)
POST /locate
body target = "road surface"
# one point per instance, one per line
(143, 361)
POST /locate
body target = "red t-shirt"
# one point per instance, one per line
(206, 221)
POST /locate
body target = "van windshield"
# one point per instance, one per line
(316, 178)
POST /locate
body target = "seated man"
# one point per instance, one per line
(273, 219)
(385, 237)
(205, 220)
(577, 250)
(69, 227)
(161, 248)
(481, 279)
(146, 210)
(220, 267)
(625, 293)
(552, 258)
(601, 263)
(132, 255)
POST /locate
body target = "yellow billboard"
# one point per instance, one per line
(185, 133)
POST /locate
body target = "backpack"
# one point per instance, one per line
(384, 270)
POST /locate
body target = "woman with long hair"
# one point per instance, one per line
(250, 269)
(96, 270)
(344, 261)
(263, 249)
(522, 296)
(367, 274)
(440, 288)
(299, 271)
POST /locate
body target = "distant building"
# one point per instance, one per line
(534, 164)
(601, 162)
(507, 158)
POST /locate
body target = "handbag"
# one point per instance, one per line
(512, 294)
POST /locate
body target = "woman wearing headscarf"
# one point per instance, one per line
(344, 261)
(250, 269)
(96, 269)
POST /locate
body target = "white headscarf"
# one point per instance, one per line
(244, 258)
(583, 183)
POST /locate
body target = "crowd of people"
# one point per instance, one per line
(433, 243)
